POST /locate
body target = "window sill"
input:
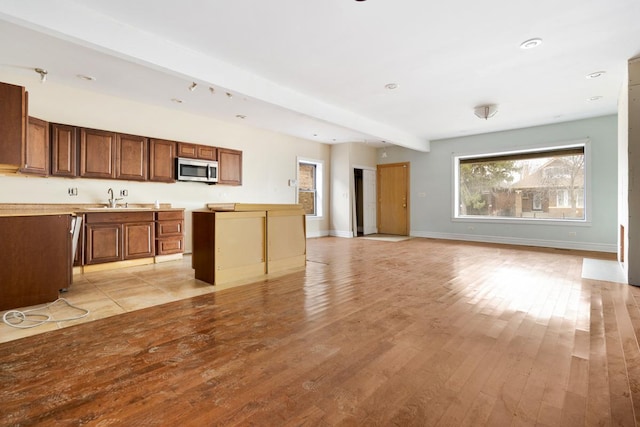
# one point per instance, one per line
(525, 221)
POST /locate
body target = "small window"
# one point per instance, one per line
(540, 184)
(310, 186)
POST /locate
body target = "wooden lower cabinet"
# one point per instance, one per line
(169, 232)
(37, 262)
(115, 236)
(104, 243)
(138, 240)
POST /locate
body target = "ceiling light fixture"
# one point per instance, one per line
(486, 111)
(241, 116)
(212, 90)
(229, 95)
(595, 75)
(391, 86)
(595, 98)
(176, 100)
(43, 74)
(85, 77)
(193, 86)
(384, 150)
(531, 43)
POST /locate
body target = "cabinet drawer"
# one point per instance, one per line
(164, 215)
(117, 217)
(172, 245)
(169, 228)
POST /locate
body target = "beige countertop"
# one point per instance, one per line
(30, 209)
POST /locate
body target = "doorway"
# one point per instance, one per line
(393, 199)
(364, 209)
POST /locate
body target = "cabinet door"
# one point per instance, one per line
(36, 149)
(64, 150)
(229, 166)
(131, 157)
(139, 240)
(162, 158)
(97, 153)
(13, 126)
(103, 243)
(187, 150)
(206, 152)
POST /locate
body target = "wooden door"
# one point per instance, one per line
(131, 157)
(36, 150)
(229, 166)
(97, 153)
(162, 160)
(393, 199)
(64, 150)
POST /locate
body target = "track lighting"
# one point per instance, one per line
(193, 86)
(43, 74)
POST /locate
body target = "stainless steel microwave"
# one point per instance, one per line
(197, 170)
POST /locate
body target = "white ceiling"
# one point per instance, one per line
(317, 69)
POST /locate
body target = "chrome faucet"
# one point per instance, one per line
(112, 201)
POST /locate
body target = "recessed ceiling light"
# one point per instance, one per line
(85, 77)
(531, 43)
(595, 98)
(595, 75)
(176, 100)
(391, 86)
(241, 116)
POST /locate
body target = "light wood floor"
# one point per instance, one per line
(419, 332)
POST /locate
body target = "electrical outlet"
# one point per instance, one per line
(73, 191)
(124, 193)
(572, 234)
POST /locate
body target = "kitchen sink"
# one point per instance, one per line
(119, 208)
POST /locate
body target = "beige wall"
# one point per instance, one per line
(269, 158)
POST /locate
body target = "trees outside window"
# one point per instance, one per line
(543, 184)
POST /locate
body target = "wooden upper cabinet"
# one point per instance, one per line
(162, 156)
(97, 153)
(64, 150)
(131, 157)
(229, 166)
(187, 150)
(36, 149)
(13, 126)
(196, 151)
(206, 152)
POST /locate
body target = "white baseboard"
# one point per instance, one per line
(558, 244)
(312, 234)
(338, 233)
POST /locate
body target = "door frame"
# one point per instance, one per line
(354, 218)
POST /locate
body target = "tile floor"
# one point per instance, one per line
(108, 293)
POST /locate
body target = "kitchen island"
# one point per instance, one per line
(241, 241)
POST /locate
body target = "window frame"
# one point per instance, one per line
(585, 144)
(319, 180)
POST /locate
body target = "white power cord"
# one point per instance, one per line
(28, 319)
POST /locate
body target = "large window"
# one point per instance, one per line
(310, 186)
(541, 184)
